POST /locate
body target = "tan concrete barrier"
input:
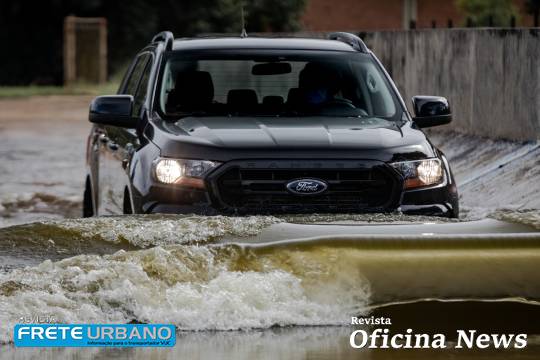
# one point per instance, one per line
(490, 76)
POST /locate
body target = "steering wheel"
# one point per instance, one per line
(340, 102)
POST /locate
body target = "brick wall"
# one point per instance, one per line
(439, 11)
(442, 10)
(328, 15)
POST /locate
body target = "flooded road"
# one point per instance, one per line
(262, 286)
(42, 151)
(296, 343)
(267, 280)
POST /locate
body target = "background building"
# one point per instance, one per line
(325, 15)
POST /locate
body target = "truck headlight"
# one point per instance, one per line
(420, 173)
(183, 171)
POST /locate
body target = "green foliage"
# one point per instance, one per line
(77, 89)
(274, 15)
(32, 30)
(189, 17)
(482, 12)
(132, 23)
(533, 6)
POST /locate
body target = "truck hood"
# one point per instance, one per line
(275, 135)
(272, 132)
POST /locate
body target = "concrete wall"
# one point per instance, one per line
(490, 76)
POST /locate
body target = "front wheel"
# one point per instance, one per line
(88, 203)
(127, 203)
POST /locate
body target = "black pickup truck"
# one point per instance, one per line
(264, 126)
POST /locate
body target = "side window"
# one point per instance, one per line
(140, 96)
(135, 76)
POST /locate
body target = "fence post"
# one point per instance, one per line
(85, 50)
(103, 50)
(70, 70)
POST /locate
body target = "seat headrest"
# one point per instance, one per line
(193, 90)
(242, 98)
(272, 100)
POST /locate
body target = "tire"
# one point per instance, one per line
(127, 203)
(455, 212)
(88, 203)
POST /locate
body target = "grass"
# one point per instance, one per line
(76, 89)
(80, 88)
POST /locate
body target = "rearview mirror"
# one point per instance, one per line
(431, 111)
(113, 110)
(273, 68)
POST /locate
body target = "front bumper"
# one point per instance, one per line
(441, 200)
(422, 202)
(432, 202)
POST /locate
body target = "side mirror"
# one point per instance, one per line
(431, 111)
(115, 110)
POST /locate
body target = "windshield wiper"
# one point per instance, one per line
(180, 115)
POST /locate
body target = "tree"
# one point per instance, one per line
(191, 17)
(34, 28)
(274, 15)
(488, 12)
(533, 8)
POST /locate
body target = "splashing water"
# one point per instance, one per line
(193, 287)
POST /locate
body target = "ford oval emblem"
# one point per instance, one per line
(307, 187)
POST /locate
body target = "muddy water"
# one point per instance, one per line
(280, 343)
(262, 286)
(221, 273)
(42, 157)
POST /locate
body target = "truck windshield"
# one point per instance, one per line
(270, 83)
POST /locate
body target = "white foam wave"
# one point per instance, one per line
(526, 217)
(188, 286)
(144, 231)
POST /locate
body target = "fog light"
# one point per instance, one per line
(169, 171)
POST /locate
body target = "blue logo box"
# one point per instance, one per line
(94, 335)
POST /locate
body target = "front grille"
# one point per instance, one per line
(352, 187)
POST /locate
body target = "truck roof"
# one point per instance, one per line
(260, 43)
